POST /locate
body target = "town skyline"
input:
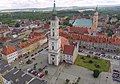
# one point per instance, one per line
(14, 4)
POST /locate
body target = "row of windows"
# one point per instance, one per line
(68, 57)
(11, 58)
(53, 24)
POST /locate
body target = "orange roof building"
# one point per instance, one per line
(64, 42)
(94, 39)
(8, 50)
(31, 41)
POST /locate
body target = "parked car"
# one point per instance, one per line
(35, 64)
(118, 57)
(32, 55)
(34, 72)
(102, 55)
(44, 66)
(29, 70)
(26, 57)
(33, 58)
(90, 52)
(115, 57)
(41, 75)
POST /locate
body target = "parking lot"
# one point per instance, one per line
(17, 76)
(101, 54)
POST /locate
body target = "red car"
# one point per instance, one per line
(33, 72)
(41, 75)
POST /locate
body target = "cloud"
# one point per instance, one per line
(15, 4)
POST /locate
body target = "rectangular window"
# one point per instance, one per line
(53, 34)
(52, 55)
(52, 47)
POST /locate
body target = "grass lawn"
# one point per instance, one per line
(84, 61)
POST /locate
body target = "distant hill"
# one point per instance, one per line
(58, 8)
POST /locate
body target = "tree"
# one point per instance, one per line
(88, 56)
(28, 61)
(46, 72)
(76, 83)
(40, 69)
(109, 32)
(67, 81)
(90, 61)
(96, 73)
(34, 67)
(66, 22)
(17, 24)
(70, 25)
(95, 57)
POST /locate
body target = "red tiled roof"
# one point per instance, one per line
(9, 50)
(64, 42)
(69, 49)
(5, 39)
(47, 26)
(79, 30)
(94, 39)
(4, 29)
(37, 33)
(31, 41)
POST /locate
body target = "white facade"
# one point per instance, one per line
(100, 46)
(54, 43)
(11, 57)
(70, 58)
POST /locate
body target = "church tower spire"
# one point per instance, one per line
(96, 10)
(54, 42)
(54, 8)
(54, 12)
(95, 19)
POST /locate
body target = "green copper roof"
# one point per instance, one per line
(83, 22)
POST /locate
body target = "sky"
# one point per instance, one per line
(19, 4)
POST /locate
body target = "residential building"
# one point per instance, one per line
(110, 44)
(9, 54)
(70, 54)
(31, 45)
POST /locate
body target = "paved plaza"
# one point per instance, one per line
(59, 74)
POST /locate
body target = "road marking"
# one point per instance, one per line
(30, 80)
(16, 72)
(6, 65)
(23, 75)
(11, 70)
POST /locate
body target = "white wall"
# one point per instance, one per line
(11, 57)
